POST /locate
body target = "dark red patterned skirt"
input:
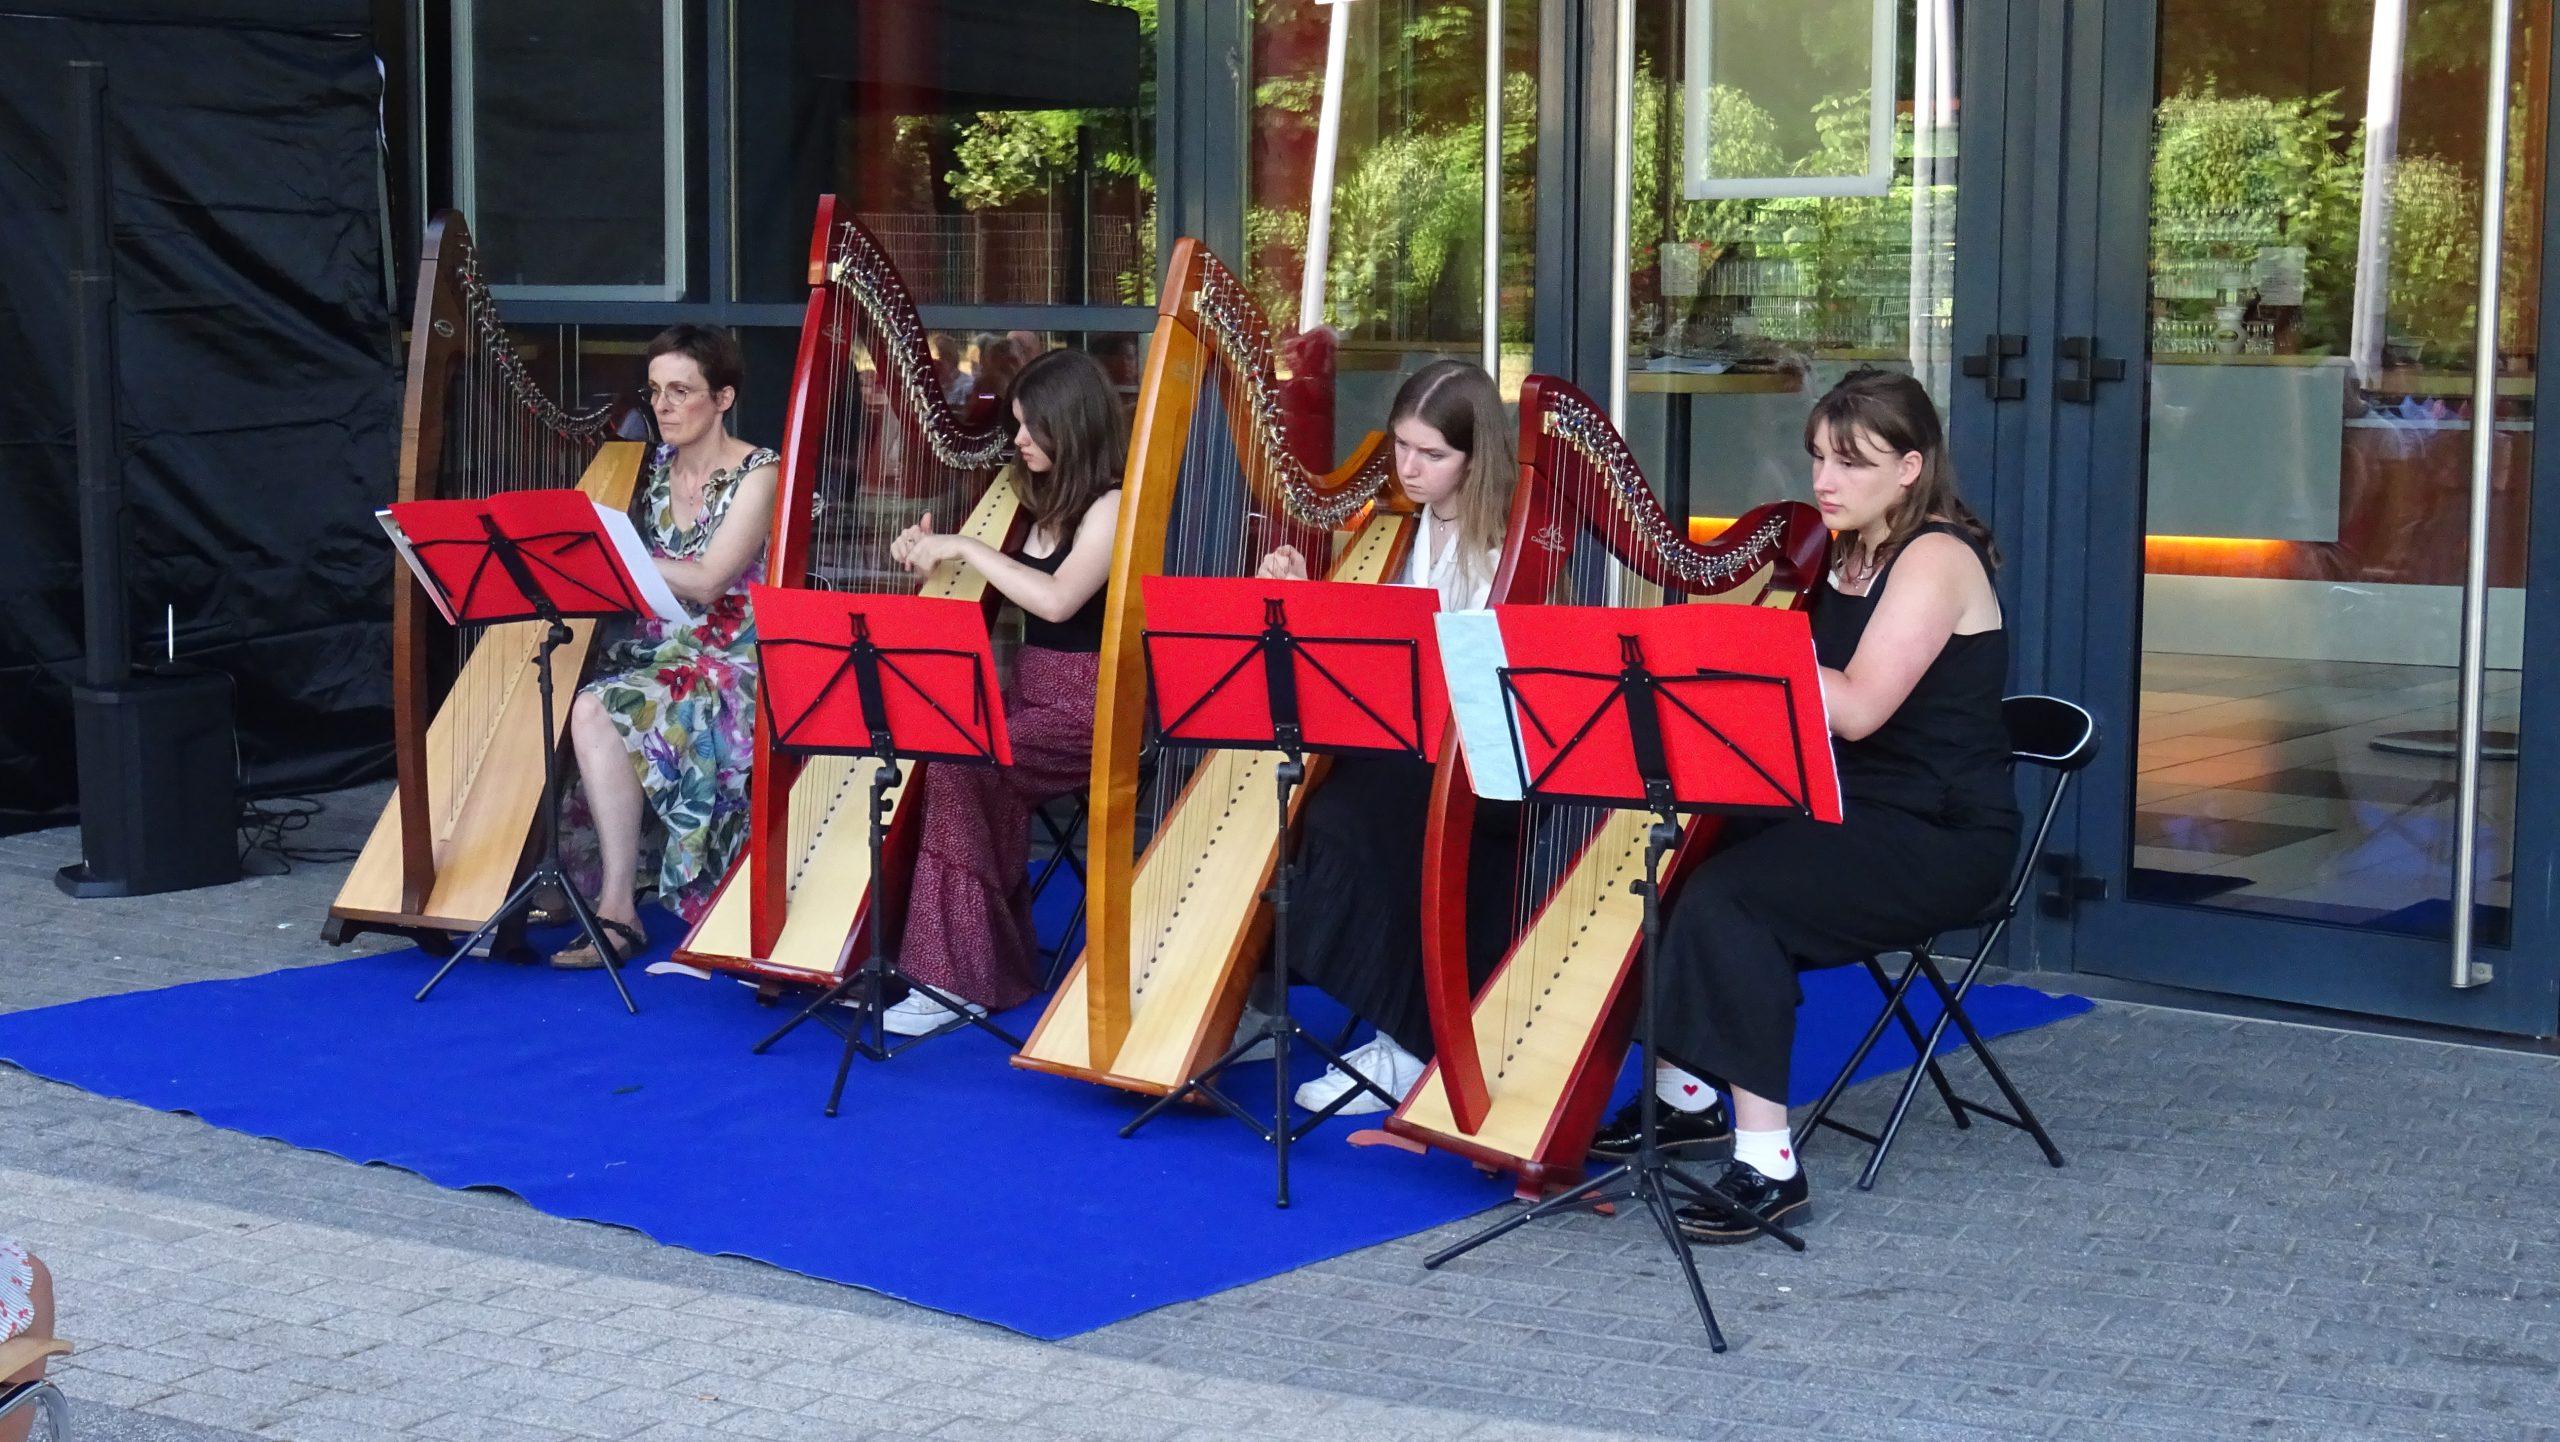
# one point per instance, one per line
(969, 908)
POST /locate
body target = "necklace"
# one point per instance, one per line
(1444, 520)
(1855, 575)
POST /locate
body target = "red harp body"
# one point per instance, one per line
(1525, 1065)
(872, 442)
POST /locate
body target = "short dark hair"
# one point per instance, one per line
(708, 346)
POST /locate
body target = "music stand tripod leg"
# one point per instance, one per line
(548, 869)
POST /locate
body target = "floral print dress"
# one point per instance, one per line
(17, 1288)
(684, 698)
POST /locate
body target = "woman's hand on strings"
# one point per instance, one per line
(1283, 564)
(920, 548)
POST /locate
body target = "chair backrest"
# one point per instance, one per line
(2060, 737)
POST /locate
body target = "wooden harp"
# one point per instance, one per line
(1180, 843)
(870, 443)
(460, 826)
(1524, 1067)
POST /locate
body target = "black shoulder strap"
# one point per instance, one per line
(1972, 541)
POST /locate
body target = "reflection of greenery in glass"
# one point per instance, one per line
(1408, 201)
(1002, 157)
(1804, 270)
(2232, 175)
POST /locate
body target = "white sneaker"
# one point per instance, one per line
(920, 1015)
(1394, 1069)
(1251, 1021)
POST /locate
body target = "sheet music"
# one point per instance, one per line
(1472, 657)
(646, 578)
(408, 553)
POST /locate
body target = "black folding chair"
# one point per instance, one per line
(1066, 837)
(2056, 736)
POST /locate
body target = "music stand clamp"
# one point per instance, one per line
(608, 594)
(1644, 699)
(1380, 679)
(866, 722)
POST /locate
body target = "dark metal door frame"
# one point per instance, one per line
(2090, 628)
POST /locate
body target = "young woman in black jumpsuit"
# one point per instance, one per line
(1908, 631)
(1357, 920)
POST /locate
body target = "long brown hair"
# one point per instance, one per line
(1071, 409)
(1457, 399)
(1895, 409)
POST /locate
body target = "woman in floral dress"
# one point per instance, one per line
(666, 732)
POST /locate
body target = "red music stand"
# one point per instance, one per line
(1676, 710)
(524, 556)
(895, 678)
(1293, 667)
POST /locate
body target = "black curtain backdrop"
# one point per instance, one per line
(258, 384)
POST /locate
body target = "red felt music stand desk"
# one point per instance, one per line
(524, 556)
(1296, 667)
(897, 679)
(1674, 710)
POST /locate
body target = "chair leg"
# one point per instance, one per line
(2022, 1116)
(1820, 1116)
(1897, 1001)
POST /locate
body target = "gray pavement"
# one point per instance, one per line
(2266, 1231)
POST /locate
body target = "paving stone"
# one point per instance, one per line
(2227, 1255)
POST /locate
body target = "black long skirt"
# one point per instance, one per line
(1356, 914)
(1794, 895)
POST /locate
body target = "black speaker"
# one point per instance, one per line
(159, 807)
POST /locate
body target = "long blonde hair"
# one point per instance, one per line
(1457, 399)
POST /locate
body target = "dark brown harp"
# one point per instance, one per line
(1180, 850)
(869, 445)
(1525, 1066)
(473, 421)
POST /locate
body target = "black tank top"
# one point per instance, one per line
(1944, 753)
(1079, 632)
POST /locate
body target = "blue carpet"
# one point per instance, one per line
(951, 1180)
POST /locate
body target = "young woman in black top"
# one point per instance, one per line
(968, 927)
(1908, 631)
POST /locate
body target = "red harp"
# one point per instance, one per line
(1179, 845)
(1525, 1066)
(466, 721)
(871, 442)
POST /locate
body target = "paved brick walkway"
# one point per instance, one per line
(2266, 1231)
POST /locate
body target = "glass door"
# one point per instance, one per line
(1791, 211)
(2272, 388)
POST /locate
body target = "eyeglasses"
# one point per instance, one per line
(679, 394)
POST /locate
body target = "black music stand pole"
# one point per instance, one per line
(548, 871)
(1650, 1176)
(1281, 652)
(870, 666)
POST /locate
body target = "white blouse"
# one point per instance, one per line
(1456, 593)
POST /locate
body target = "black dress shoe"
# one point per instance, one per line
(1788, 1203)
(1672, 1128)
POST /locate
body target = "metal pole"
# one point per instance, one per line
(93, 384)
(1621, 204)
(2475, 569)
(1493, 189)
(1311, 286)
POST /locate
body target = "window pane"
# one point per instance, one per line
(2316, 188)
(1004, 154)
(570, 158)
(1404, 273)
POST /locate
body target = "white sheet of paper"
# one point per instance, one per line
(1472, 657)
(400, 543)
(644, 572)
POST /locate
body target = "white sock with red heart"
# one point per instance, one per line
(1771, 1153)
(1681, 1091)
